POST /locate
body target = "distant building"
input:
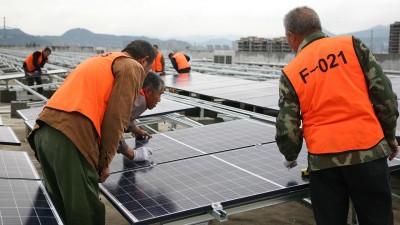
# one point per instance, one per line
(256, 44)
(394, 38)
(224, 56)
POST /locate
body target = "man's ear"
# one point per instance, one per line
(148, 91)
(142, 60)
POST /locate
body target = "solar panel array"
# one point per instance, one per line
(23, 199)
(230, 162)
(195, 167)
(203, 140)
(262, 94)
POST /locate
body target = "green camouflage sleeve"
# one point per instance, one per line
(383, 98)
(289, 136)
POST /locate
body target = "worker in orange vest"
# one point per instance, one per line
(33, 65)
(76, 135)
(337, 90)
(180, 62)
(159, 62)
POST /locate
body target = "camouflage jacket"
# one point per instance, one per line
(289, 135)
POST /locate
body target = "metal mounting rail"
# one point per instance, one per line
(180, 119)
(29, 89)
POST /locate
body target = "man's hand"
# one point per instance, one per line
(144, 133)
(394, 146)
(104, 173)
(142, 154)
(289, 164)
(129, 153)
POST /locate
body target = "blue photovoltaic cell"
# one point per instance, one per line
(23, 202)
(197, 141)
(15, 164)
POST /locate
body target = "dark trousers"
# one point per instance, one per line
(366, 184)
(71, 182)
(38, 80)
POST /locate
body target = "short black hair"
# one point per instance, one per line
(139, 49)
(47, 49)
(155, 46)
(153, 81)
(170, 55)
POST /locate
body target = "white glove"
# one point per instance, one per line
(289, 164)
(142, 154)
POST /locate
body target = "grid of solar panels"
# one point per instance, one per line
(23, 199)
(15, 164)
(184, 187)
(231, 162)
(23, 202)
(197, 141)
(257, 93)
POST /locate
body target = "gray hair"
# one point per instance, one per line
(153, 81)
(302, 21)
(140, 49)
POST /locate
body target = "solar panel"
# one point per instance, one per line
(197, 141)
(16, 164)
(185, 187)
(24, 202)
(185, 80)
(8, 137)
(30, 113)
(166, 106)
(30, 123)
(229, 88)
(163, 107)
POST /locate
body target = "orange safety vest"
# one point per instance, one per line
(157, 65)
(29, 61)
(87, 88)
(181, 61)
(336, 111)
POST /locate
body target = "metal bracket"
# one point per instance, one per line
(218, 212)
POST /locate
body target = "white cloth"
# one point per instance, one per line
(289, 164)
(142, 154)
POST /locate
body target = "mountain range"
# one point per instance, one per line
(377, 35)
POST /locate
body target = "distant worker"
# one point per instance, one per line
(76, 135)
(33, 65)
(180, 62)
(337, 90)
(159, 62)
(150, 95)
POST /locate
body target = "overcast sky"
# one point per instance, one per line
(176, 18)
